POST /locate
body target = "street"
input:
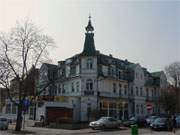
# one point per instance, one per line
(48, 131)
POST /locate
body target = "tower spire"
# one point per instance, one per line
(89, 47)
(89, 28)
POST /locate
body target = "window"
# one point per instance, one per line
(59, 89)
(63, 89)
(136, 75)
(141, 76)
(112, 72)
(137, 109)
(137, 91)
(8, 108)
(120, 90)
(125, 89)
(77, 86)
(142, 111)
(72, 87)
(119, 74)
(73, 70)
(13, 109)
(89, 64)
(131, 91)
(52, 90)
(147, 92)
(141, 92)
(114, 88)
(89, 84)
(31, 112)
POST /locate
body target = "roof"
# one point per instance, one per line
(51, 66)
(156, 74)
(89, 46)
(132, 66)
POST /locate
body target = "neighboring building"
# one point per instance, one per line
(3, 96)
(94, 82)
(29, 89)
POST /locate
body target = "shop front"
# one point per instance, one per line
(114, 108)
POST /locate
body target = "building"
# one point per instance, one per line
(3, 96)
(29, 89)
(91, 82)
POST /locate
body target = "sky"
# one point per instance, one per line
(142, 31)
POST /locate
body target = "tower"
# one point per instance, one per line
(89, 46)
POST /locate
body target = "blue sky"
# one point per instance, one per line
(142, 31)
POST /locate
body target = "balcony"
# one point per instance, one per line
(88, 92)
(108, 94)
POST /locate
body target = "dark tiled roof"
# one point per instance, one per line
(51, 66)
(89, 46)
(156, 74)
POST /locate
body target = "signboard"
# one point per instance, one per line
(61, 98)
(45, 98)
(149, 106)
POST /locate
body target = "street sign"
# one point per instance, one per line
(149, 106)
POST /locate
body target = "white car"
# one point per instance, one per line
(4, 123)
(105, 122)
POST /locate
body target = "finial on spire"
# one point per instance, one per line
(89, 28)
(89, 16)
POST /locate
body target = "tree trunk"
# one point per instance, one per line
(19, 118)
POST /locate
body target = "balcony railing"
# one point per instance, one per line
(88, 92)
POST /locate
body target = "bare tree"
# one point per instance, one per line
(20, 49)
(168, 100)
(173, 73)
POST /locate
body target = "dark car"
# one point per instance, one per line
(161, 123)
(3, 123)
(151, 119)
(139, 120)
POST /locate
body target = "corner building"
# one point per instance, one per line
(92, 84)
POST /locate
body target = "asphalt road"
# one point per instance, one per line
(48, 131)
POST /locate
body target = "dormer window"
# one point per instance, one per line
(89, 64)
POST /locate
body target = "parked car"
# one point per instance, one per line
(161, 123)
(178, 121)
(151, 119)
(105, 122)
(139, 120)
(3, 123)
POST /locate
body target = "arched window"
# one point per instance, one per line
(89, 63)
(89, 84)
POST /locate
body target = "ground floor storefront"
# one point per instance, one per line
(117, 108)
(83, 109)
